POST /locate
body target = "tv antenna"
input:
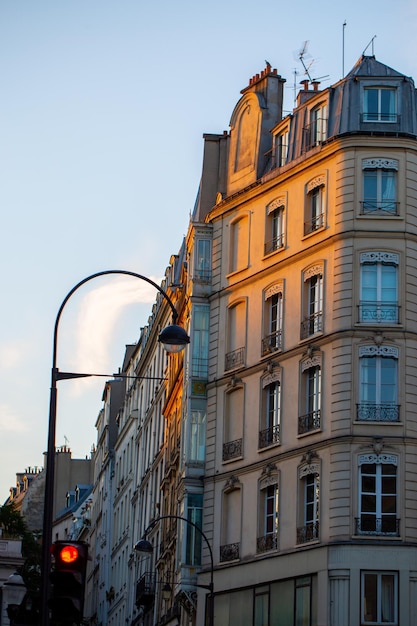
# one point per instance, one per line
(303, 56)
(371, 43)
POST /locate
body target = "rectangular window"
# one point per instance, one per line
(378, 384)
(281, 148)
(379, 598)
(379, 288)
(202, 260)
(193, 536)
(269, 433)
(311, 418)
(313, 321)
(318, 126)
(198, 435)
(309, 531)
(200, 341)
(268, 539)
(315, 210)
(378, 499)
(379, 191)
(275, 230)
(380, 104)
(272, 340)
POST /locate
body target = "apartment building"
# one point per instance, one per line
(310, 456)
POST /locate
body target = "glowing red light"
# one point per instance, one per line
(68, 554)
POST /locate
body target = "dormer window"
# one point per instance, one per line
(379, 104)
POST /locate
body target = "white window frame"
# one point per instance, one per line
(384, 173)
(273, 312)
(281, 148)
(202, 260)
(313, 301)
(380, 494)
(318, 125)
(371, 387)
(380, 115)
(270, 420)
(315, 205)
(375, 271)
(380, 603)
(275, 225)
(309, 477)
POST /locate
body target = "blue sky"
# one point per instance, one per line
(102, 110)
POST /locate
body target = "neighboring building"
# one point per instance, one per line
(310, 491)
(98, 585)
(28, 496)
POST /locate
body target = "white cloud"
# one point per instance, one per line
(98, 315)
(11, 355)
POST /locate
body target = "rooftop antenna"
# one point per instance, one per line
(343, 49)
(66, 440)
(302, 55)
(371, 43)
(295, 84)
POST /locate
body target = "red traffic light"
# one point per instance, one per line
(68, 554)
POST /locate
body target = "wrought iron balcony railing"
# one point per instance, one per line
(267, 542)
(309, 422)
(236, 358)
(367, 412)
(309, 532)
(367, 524)
(275, 244)
(272, 342)
(379, 207)
(145, 589)
(311, 325)
(269, 436)
(232, 449)
(230, 552)
(314, 224)
(379, 313)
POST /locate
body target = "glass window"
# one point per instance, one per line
(198, 435)
(274, 230)
(379, 288)
(202, 260)
(200, 341)
(378, 384)
(380, 104)
(313, 320)
(281, 147)
(379, 191)
(318, 125)
(311, 418)
(268, 526)
(379, 598)
(310, 509)
(272, 339)
(378, 496)
(193, 536)
(315, 210)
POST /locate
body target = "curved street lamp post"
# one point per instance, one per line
(145, 547)
(174, 338)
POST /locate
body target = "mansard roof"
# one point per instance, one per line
(369, 66)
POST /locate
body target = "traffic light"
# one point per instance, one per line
(68, 582)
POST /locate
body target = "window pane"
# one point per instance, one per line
(302, 605)
(370, 598)
(261, 610)
(387, 598)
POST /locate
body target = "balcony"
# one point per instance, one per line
(314, 224)
(232, 449)
(379, 313)
(312, 325)
(272, 342)
(275, 244)
(269, 437)
(379, 207)
(309, 532)
(309, 422)
(267, 543)
(387, 526)
(229, 552)
(145, 590)
(367, 412)
(234, 359)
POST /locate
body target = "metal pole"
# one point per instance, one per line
(50, 454)
(210, 586)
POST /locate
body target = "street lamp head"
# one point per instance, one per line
(144, 547)
(173, 338)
